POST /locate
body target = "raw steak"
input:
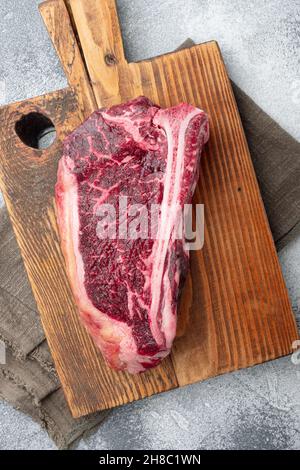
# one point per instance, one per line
(127, 289)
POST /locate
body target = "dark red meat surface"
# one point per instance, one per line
(138, 156)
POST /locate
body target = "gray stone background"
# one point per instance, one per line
(253, 408)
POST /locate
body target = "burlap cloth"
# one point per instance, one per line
(28, 379)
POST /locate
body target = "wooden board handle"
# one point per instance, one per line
(56, 17)
(100, 38)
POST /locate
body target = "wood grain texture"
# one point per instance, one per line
(100, 37)
(56, 17)
(235, 307)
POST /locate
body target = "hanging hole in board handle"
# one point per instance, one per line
(36, 130)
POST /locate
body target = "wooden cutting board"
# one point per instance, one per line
(235, 310)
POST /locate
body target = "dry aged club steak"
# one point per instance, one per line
(124, 176)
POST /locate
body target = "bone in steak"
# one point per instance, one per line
(127, 289)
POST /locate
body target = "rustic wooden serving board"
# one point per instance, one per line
(235, 310)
